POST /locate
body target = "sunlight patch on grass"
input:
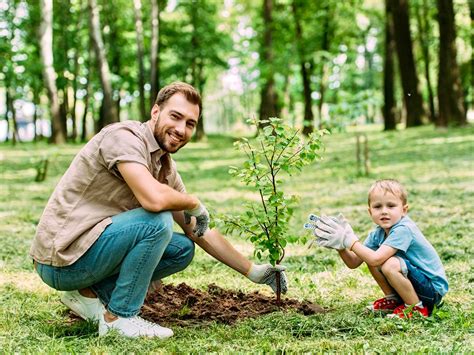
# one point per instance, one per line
(24, 281)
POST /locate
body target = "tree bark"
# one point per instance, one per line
(49, 75)
(423, 31)
(450, 95)
(411, 93)
(308, 119)
(269, 98)
(137, 5)
(155, 51)
(323, 75)
(388, 109)
(109, 111)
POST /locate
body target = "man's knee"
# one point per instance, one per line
(162, 223)
(391, 266)
(187, 253)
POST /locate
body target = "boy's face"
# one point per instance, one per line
(386, 209)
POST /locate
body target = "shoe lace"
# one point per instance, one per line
(143, 323)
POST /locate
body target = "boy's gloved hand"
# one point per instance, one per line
(265, 274)
(338, 235)
(202, 219)
(321, 234)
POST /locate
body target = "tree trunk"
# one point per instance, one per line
(471, 13)
(323, 77)
(411, 93)
(141, 68)
(74, 94)
(109, 111)
(49, 75)
(308, 120)
(450, 96)
(269, 98)
(388, 73)
(423, 31)
(155, 51)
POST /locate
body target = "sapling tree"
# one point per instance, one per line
(278, 148)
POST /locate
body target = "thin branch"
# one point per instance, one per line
(261, 224)
(241, 227)
(291, 140)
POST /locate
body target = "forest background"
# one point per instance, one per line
(71, 67)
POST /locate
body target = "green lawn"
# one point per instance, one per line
(436, 167)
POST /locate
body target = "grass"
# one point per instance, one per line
(436, 167)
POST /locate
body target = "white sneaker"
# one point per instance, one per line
(84, 307)
(134, 327)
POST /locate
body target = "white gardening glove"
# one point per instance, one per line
(265, 274)
(321, 234)
(202, 219)
(338, 235)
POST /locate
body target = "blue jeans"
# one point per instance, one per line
(422, 284)
(138, 247)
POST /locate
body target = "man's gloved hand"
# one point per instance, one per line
(338, 235)
(265, 274)
(202, 219)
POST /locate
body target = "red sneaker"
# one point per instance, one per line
(407, 312)
(385, 305)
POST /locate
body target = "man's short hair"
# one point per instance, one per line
(189, 92)
(390, 185)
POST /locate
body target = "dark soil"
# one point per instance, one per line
(184, 305)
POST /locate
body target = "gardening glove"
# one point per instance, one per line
(265, 274)
(202, 219)
(338, 235)
(321, 239)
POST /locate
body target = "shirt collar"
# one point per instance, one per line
(151, 141)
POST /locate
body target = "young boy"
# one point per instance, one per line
(400, 258)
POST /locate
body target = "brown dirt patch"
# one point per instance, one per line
(184, 305)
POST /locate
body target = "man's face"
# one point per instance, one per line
(174, 122)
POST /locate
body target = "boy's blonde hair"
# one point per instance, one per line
(392, 186)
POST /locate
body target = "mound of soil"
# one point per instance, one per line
(184, 305)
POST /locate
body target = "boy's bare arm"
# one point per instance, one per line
(350, 259)
(371, 257)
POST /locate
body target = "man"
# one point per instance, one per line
(106, 235)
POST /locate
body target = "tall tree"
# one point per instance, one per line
(49, 75)
(411, 92)
(308, 120)
(423, 36)
(137, 5)
(109, 111)
(450, 96)
(269, 98)
(155, 50)
(388, 72)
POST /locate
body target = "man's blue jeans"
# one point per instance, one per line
(138, 247)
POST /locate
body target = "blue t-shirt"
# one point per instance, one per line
(412, 245)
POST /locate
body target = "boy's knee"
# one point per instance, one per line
(392, 265)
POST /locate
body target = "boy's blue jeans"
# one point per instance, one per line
(138, 247)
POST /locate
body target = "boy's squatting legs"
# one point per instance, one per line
(381, 280)
(87, 292)
(391, 278)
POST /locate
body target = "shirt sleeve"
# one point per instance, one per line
(399, 238)
(122, 145)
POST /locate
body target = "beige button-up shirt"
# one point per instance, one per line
(92, 191)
